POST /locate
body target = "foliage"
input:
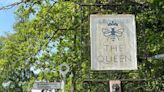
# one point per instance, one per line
(49, 33)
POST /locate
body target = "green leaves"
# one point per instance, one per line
(48, 34)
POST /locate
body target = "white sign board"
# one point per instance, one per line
(113, 42)
(46, 85)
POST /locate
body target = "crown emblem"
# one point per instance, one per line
(113, 24)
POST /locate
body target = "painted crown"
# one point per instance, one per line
(112, 24)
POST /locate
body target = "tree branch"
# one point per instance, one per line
(11, 5)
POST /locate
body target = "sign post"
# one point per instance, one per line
(113, 42)
(63, 73)
(56, 85)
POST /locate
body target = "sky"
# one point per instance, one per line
(7, 17)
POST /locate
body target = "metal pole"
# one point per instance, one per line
(63, 84)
